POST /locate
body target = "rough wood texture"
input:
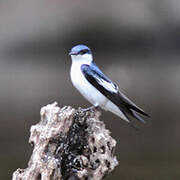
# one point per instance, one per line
(69, 144)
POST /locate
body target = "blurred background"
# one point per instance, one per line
(135, 42)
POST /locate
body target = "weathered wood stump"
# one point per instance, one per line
(69, 144)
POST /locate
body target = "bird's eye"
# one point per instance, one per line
(84, 51)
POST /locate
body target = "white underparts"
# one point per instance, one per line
(89, 92)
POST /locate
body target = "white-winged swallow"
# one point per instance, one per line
(97, 88)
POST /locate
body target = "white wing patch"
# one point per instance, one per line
(109, 86)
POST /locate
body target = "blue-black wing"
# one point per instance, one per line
(110, 90)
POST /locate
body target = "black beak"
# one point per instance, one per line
(73, 53)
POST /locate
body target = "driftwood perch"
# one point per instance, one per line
(69, 144)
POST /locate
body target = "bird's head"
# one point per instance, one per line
(81, 54)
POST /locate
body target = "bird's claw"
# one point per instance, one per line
(92, 109)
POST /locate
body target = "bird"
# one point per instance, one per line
(98, 89)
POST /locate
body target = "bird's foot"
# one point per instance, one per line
(91, 108)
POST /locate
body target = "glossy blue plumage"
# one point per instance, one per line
(77, 49)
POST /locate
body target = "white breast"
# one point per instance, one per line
(84, 87)
(90, 92)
